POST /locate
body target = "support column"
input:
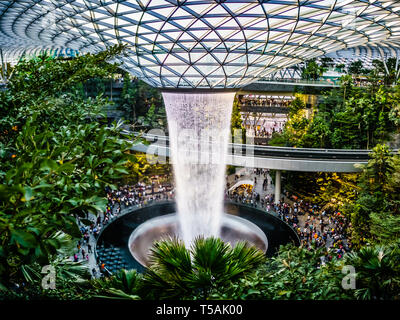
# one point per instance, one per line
(277, 186)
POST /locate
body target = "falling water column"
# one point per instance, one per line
(199, 125)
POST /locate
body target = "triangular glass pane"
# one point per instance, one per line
(192, 72)
(224, 34)
(184, 23)
(165, 72)
(165, 12)
(218, 72)
(220, 56)
(215, 21)
(195, 56)
(200, 8)
(198, 34)
(203, 83)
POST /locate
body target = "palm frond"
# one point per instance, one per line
(31, 273)
(119, 294)
(210, 255)
(70, 270)
(170, 256)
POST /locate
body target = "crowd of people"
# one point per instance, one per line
(264, 131)
(139, 194)
(265, 101)
(254, 198)
(315, 227)
(125, 196)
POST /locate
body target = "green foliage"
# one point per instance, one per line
(141, 168)
(294, 274)
(327, 62)
(385, 70)
(341, 67)
(280, 139)
(39, 78)
(318, 132)
(209, 271)
(57, 176)
(298, 274)
(295, 106)
(71, 279)
(378, 272)
(295, 128)
(329, 190)
(236, 120)
(56, 158)
(230, 169)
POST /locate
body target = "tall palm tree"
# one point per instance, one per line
(178, 272)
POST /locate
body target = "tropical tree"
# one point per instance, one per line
(356, 68)
(327, 62)
(236, 120)
(181, 273)
(388, 70)
(295, 106)
(377, 272)
(155, 117)
(297, 273)
(376, 207)
(341, 67)
(70, 278)
(318, 134)
(312, 70)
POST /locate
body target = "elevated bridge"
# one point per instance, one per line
(276, 158)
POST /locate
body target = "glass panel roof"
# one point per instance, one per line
(199, 43)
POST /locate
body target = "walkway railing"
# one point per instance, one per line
(280, 152)
(324, 83)
(263, 109)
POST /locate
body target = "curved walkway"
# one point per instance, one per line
(241, 182)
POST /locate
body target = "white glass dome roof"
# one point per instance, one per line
(199, 43)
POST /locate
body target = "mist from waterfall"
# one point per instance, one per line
(199, 128)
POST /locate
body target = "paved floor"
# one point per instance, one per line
(248, 174)
(92, 264)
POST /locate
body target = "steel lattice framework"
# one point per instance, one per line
(199, 43)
